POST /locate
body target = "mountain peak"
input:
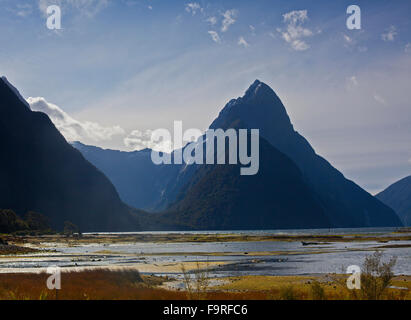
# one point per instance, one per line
(259, 107)
(15, 91)
(257, 89)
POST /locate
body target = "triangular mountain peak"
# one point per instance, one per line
(259, 107)
(259, 89)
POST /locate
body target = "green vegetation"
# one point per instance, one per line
(377, 276)
(32, 222)
(70, 228)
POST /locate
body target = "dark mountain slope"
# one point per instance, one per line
(40, 171)
(218, 197)
(345, 203)
(398, 197)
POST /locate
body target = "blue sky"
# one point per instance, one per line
(118, 68)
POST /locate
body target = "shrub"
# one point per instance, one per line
(36, 221)
(317, 291)
(376, 276)
(70, 228)
(288, 293)
(11, 222)
(196, 286)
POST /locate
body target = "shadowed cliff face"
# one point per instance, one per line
(277, 197)
(345, 203)
(40, 171)
(398, 197)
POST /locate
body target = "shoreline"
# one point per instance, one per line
(119, 238)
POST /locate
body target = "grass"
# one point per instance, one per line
(321, 287)
(105, 284)
(85, 285)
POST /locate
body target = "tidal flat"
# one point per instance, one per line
(234, 261)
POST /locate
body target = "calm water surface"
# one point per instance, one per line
(294, 258)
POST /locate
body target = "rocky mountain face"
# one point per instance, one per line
(344, 202)
(41, 172)
(218, 197)
(398, 197)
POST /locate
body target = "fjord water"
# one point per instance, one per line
(237, 258)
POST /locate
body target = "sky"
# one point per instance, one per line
(120, 68)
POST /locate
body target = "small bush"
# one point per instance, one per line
(317, 291)
(196, 286)
(376, 276)
(288, 293)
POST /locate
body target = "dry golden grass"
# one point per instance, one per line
(101, 285)
(129, 285)
(84, 285)
(307, 288)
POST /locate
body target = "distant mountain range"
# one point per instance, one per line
(139, 182)
(41, 172)
(398, 197)
(295, 187)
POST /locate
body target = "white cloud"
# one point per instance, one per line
(348, 39)
(229, 19)
(214, 35)
(193, 8)
(390, 34)
(352, 43)
(71, 128)
(138, 140)
(296, 16)
(379, 99)
(408, 47)
(362, 49)
(295, 32)
(354, 80)
(212, 21)
(22, 9)
(85, 7)
(243, 42)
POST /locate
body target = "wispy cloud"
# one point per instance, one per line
(242, 42)
(352, 43)
(295, 32)
(71, 128)
(138, 140)
(229, 19)
(379, 99)
(22, 9)
(407, 47)
(212, 20)
(84, 7)
(352, 82)
(390, 34)
(347, 39)
(214, 35)
(193, 8)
